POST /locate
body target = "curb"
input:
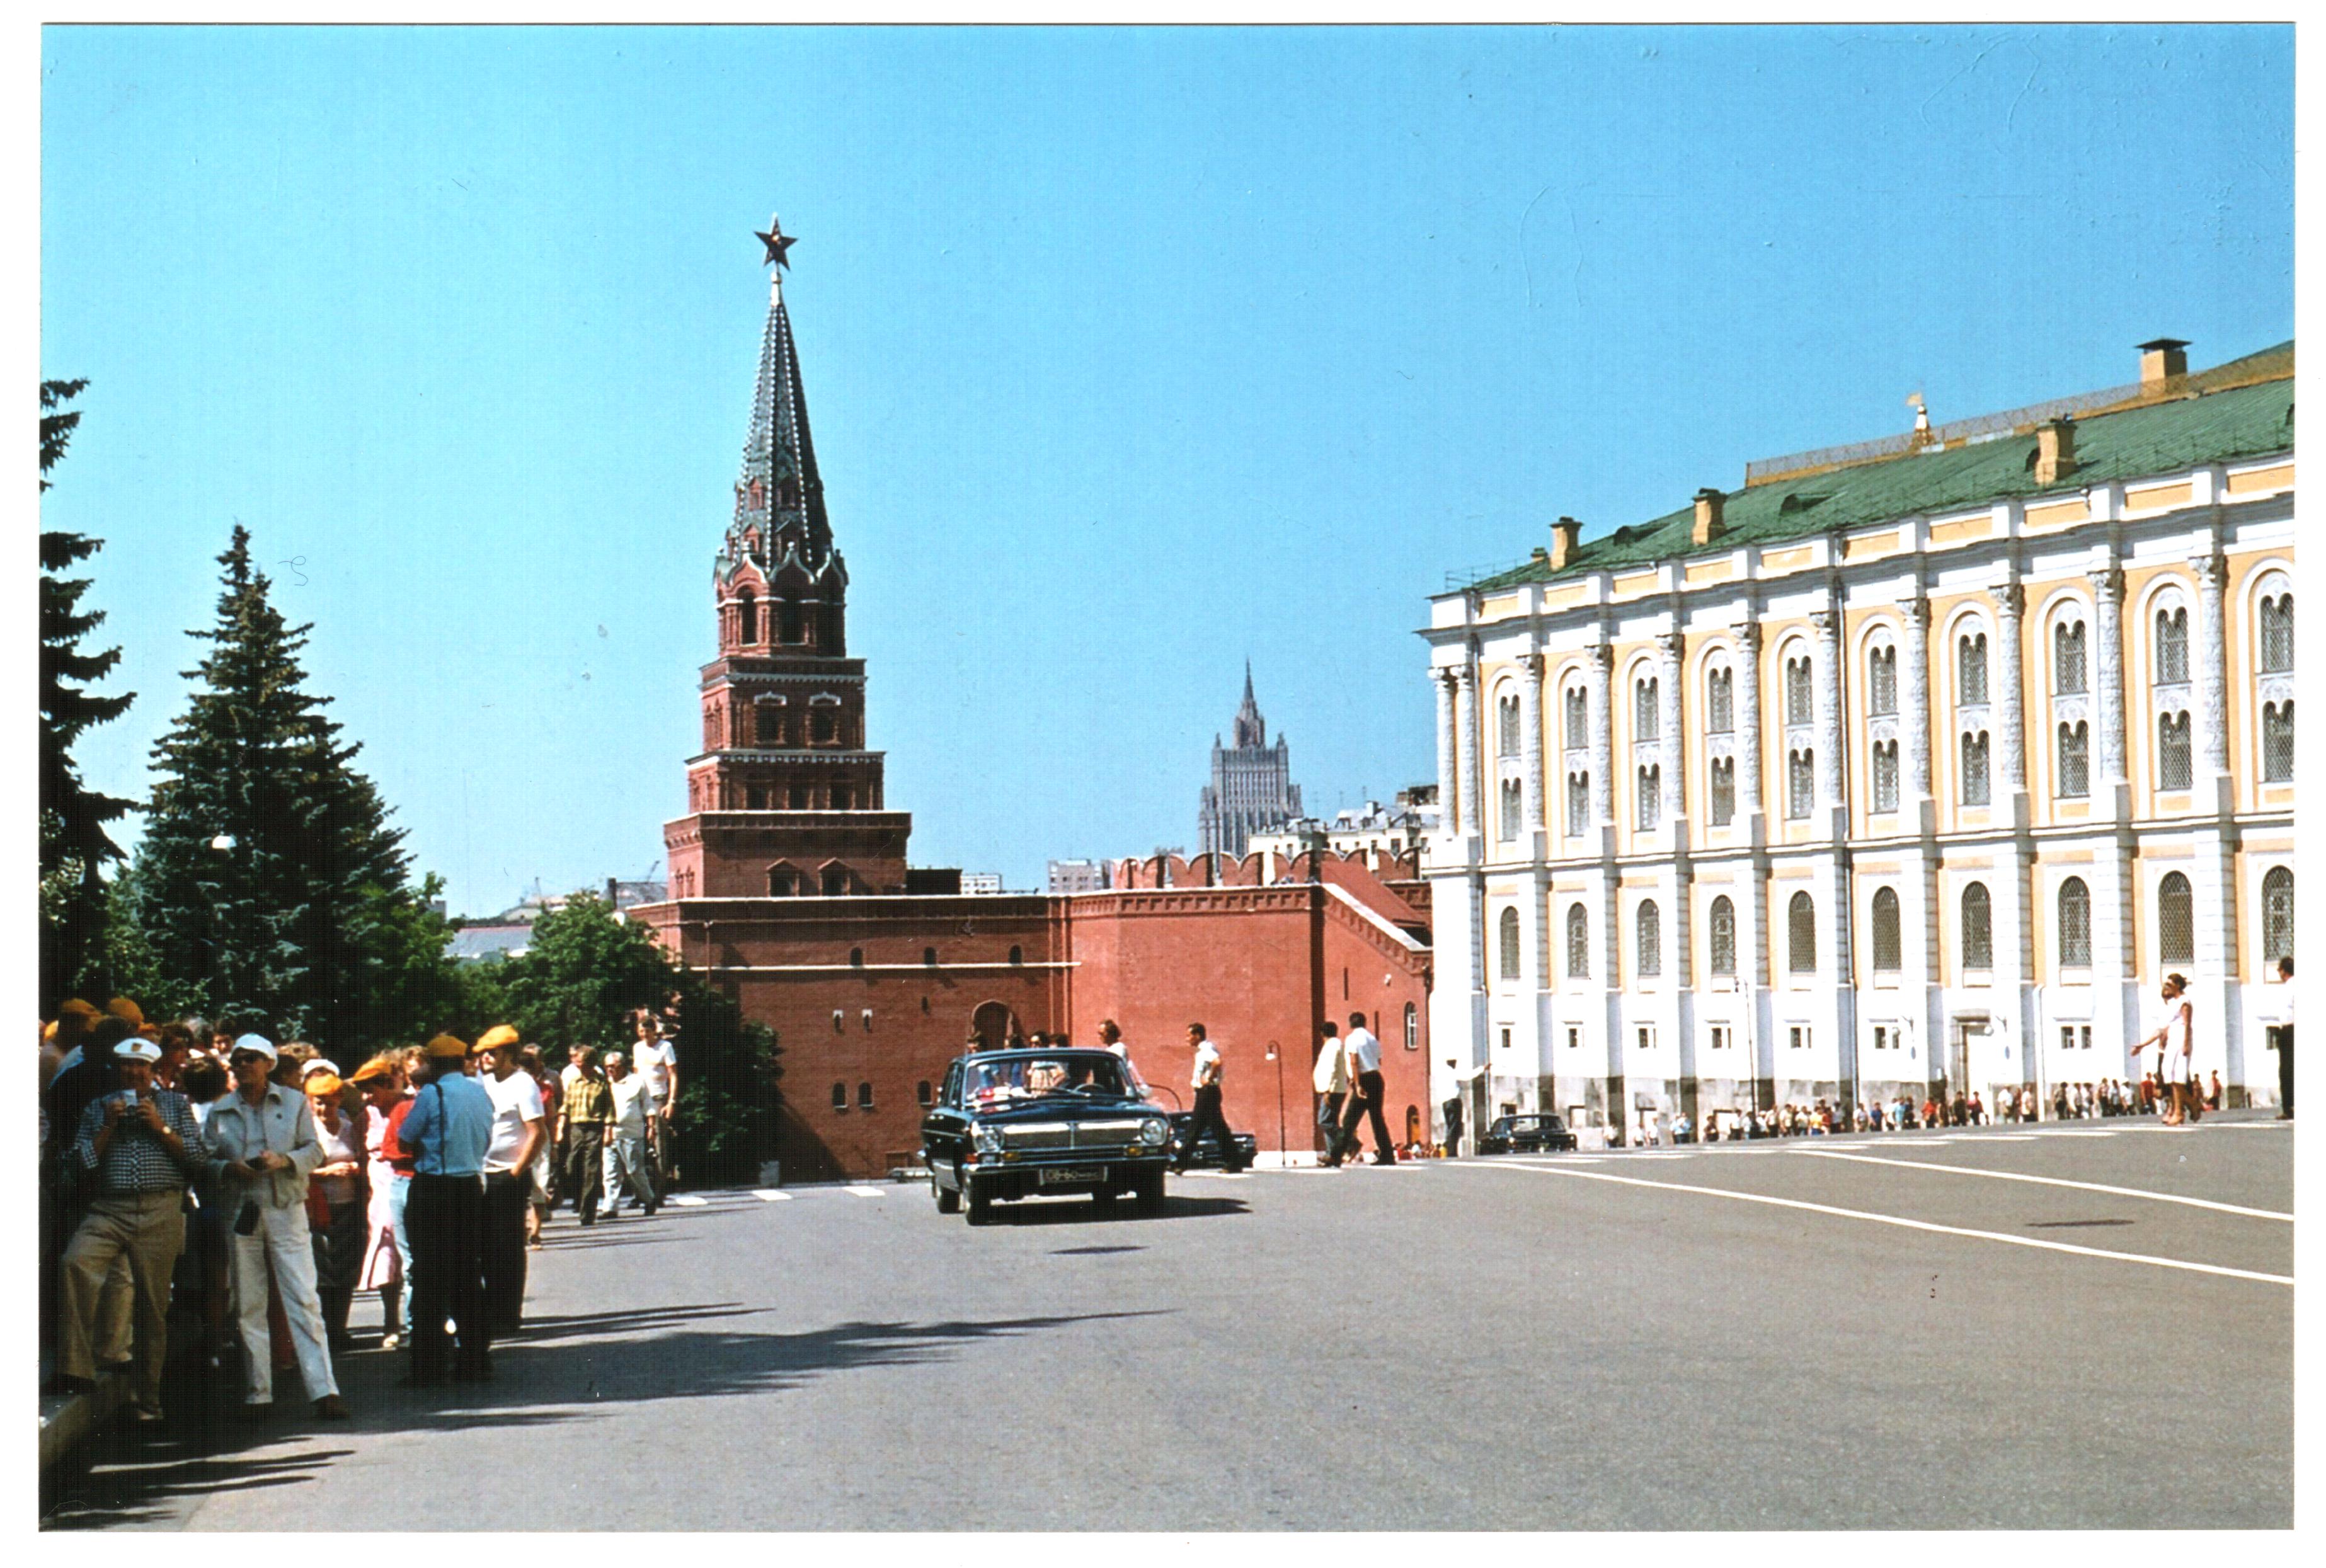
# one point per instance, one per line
(75, 1415)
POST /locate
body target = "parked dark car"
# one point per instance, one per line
(1023, 1124)
(1525, 1135)
(1206, 1151)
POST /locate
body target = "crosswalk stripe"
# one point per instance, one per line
(769, 1195)
(688, 1201)
(864, 1191)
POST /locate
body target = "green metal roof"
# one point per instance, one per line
(2132, 443)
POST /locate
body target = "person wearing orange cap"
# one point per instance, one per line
(446, 1132)
(387, 1256)
(519, 1125)
(339, 1185)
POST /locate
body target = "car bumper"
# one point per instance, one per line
(1027, 1178)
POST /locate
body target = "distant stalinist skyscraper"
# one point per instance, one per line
(1252, 789)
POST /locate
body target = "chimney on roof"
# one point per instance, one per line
(2055, 451)
(1565, 535)
(2162, 360)
(1709, 524)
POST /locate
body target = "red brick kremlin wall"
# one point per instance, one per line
(1251, 962)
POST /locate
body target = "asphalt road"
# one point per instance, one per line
(1751, 1336)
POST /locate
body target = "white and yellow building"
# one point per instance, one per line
(1914, 766)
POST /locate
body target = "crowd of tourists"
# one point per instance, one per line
(264, 1188)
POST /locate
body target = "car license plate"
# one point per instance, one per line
(1063, 1177)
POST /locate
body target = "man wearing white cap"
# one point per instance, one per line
(140, 1148)
(262, 1146)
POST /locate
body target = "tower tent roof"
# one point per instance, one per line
(780, 491)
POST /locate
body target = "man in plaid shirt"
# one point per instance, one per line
(139, 1145)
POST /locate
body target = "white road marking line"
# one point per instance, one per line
(864, 1191)
(2055, 1182)
(1644, 1154)
(1995, 1138)
(768, 1196)
(2005, 1239)
(687, 1201)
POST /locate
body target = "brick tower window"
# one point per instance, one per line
(791, 622)
(844, 799)
(824, 726)
(770, 723)
(836, 881)
(747, 618)
(798, 797)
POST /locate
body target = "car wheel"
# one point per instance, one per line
(1150, 1193)
(948, 1198)
(976, 1201)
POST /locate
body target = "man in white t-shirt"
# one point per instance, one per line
(1365, 1066)
(629, 1139)
(519, 1124)
(1206, 1083)
(1330, 1079)
(656, 1061)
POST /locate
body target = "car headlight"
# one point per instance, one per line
(1154, 1131)
(989, 1139)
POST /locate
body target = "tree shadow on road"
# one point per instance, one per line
(554, 1372)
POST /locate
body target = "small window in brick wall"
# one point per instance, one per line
(864, 1097)
(921, 1092)
(840, 1097)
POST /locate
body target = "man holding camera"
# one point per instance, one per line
(138, 1147)
(262, 1146)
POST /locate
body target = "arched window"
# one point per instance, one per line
(1974, 769)
(1800, 699)
(2277, 634)
(1886, 776)
(747, 618)
(1881, 680)
(771, 725)
(1579, 942)
(1507, 824)
(1649, 927)
(1970, 665)
(2075, 924)
(1017, 955)
(2176, 921)
(1643, 709)
(856, 957)
(2277, 742)
(1578, 718)
(790, 617)
(1651, 797)
(2068, 657)
(840, 1097)
(1720, 701)
(1506, 725)
(1888, 949)
(2173, 646)
(929, 957)
(1510, 933)
(2075, 759)
(1800, 782)
(1578, 804)
(1724, 791)
(2276, 914)
(1978, 928)
(823, 725)
(2174, 770)
(864, 1097)
(1801, 936)
(1723, 923)
(1412, 1027)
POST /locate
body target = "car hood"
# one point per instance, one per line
(1063, 1107)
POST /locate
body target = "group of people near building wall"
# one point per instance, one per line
(198, 1164)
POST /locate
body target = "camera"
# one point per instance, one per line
(246, 1222)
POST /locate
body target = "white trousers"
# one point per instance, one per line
(625, 1155)
(282, 1239)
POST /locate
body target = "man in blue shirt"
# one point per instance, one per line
(446, 1132)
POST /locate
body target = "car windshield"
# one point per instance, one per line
(1084, 1074)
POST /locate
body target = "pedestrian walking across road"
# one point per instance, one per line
(589, 1111)
(1364, 1065)
(629, 1139)
(1331, 1079)
(1206, 1081)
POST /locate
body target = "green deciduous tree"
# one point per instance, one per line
(585, 969)
(74, 819)
(269, 882)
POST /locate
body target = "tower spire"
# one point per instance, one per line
(779, 492)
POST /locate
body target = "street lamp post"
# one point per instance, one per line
(1276, 1055)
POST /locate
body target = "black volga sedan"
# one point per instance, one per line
(1025, 1124)
(1525, 1135)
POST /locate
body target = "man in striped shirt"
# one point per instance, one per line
(139, 1145)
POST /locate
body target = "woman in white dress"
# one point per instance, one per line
(2175, 1022)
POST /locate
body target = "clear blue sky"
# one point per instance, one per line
(1130, 353)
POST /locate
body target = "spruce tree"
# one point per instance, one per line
(74, 842)
(268, 866)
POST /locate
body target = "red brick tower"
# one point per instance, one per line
(783, 800)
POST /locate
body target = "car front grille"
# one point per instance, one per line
(1109, 1137)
